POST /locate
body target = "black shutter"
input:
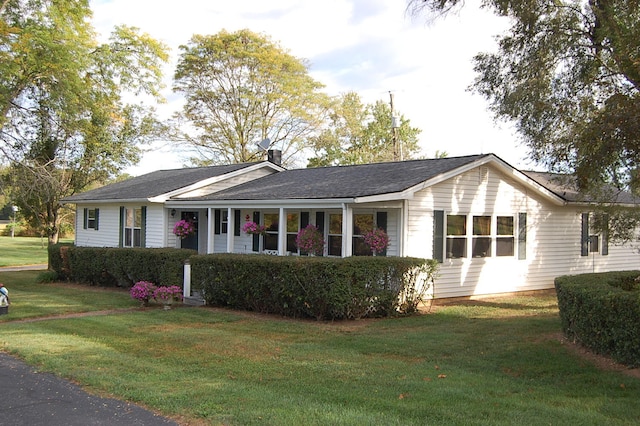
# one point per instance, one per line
(381, 222)
(522, 236)
(143, 226)
(121, 227)
(320, 221)
(217, 225)
(256, 238)
(97, 225)
(584, 240)
(605, 234)
(236, 222)
(86, 219)
(438, 235)
(304, 219)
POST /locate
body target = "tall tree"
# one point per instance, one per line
(359, 133)
(64, 124)
(567, 72)
(240, 89)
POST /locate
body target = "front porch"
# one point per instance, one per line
(219, 229)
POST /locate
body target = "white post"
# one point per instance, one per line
(186, 289)
(282, 232)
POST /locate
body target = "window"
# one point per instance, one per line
(456, 236)
(91, 217)
(505, 236)
(595, 234)
(335, 235)
(362, 223)
(271, 223)
(481, 236)
(486, 233)
(224, 221)
(293, 226)
(132, 227)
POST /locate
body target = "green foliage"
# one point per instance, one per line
(241, 88)
(601, 312)
(118, 266)
(567, 73)
(360, 133)
(316, 287)
(64, 121)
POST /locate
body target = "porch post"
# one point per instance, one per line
(347, 230)
(282, 232)
(210, 229)
(231, 218)
(404, 225)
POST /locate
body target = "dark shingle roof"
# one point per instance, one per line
(342, 181)
(565, 186)
(154, 183)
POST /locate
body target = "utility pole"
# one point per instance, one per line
(395, 123)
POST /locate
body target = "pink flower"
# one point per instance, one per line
(184, 228)
(253, 228)
(377, 240)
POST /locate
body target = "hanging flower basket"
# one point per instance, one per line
(184, 228)
(253, 228)
(377, 240)
(310, 240)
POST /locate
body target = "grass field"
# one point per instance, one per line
(498, 361)
(23, 250)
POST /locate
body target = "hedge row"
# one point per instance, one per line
(120, 267)
(316, 287)
(601, 312)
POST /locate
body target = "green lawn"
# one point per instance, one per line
(22, 251)
(496, 361)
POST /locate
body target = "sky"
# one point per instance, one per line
(372, 47)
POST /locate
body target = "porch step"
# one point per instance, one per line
(194, 300)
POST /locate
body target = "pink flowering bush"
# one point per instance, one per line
(253, 228)
(143, 291)
(377, 240)
(167, 294)
(184, 228)
(310, 240)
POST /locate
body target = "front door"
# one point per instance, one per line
(191, 241)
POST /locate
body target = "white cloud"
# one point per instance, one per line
(368, 46)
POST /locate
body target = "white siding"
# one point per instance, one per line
(107, 234)
(157, 217)
(553, 237)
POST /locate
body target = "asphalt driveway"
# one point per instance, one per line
(31, 398)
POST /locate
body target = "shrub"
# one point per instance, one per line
(601, 312)
(58, 258)
(317, 287)
(143, 291)
(119, 266)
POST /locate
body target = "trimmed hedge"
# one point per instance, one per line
(122, 267)
(316, 287)
(601, 311)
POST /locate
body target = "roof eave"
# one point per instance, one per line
(161, 198)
